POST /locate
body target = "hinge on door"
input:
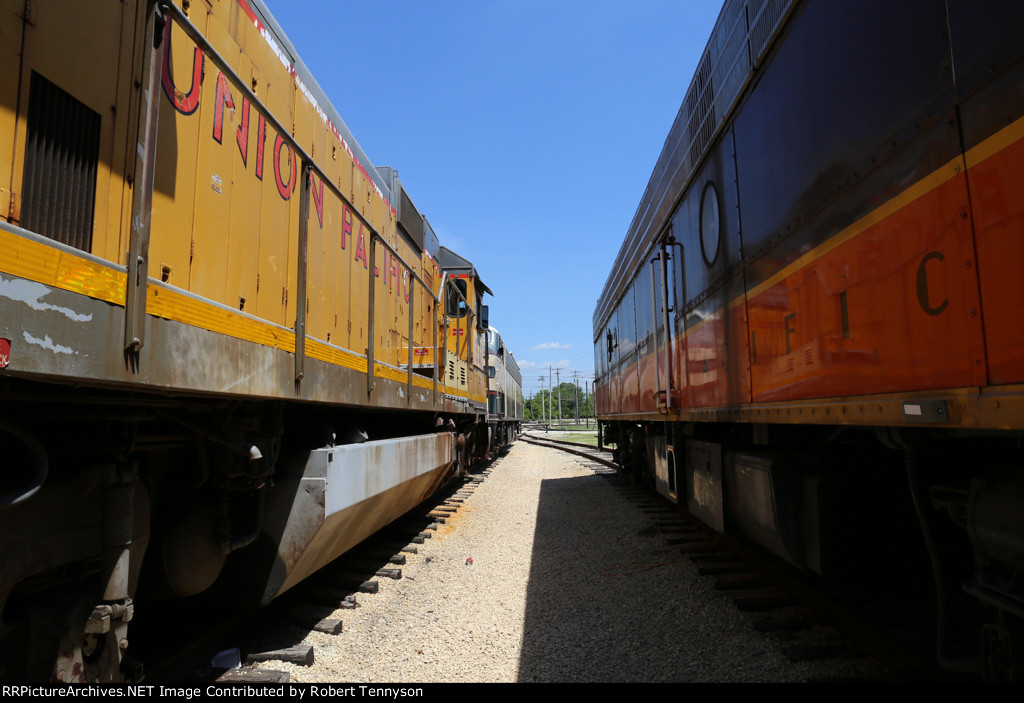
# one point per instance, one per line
(257, 283)
(284, 295)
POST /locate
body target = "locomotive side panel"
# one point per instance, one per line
(11, 26)
(849, 236)
(711, 328)
(878, 179)
(992, 134)
(70, 134)
(876, 305)
(233, 380)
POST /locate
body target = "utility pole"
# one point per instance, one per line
(559, 379)
(541, 379)
(576, 390)
(550, 407)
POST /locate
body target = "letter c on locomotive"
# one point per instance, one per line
(922, 284)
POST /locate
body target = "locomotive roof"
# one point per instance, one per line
(450, 261)
(724, 70)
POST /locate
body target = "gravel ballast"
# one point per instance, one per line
(568, 582)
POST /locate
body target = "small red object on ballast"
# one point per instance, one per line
(469, 561)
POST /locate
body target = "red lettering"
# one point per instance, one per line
(261, 138)
(361, 247)
(223, 98)
(318, 197)
(242, 135)
(185, 103)
(346, 224)
(284, 188)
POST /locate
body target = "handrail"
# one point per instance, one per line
(402, 261)
(469, 309)
(207, 48)
(136, 283)
(654, 317)
(665, 258)
(307, 167)
(374, 238)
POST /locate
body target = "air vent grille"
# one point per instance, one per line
(61, 157)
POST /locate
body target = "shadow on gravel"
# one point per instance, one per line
(586, 616)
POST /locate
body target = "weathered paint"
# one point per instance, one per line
(347, 493)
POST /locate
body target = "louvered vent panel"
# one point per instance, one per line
(61, 156)
(410, 219)
(766, 19)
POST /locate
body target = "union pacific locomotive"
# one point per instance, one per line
(811, 334)
(230, 347)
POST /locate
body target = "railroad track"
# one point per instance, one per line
(601, 456)
(812, 621)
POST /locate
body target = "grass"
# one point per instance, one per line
(567, 425)
(574, 433)
(581, 437)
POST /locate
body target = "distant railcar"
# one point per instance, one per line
(504, 394)
(228, 342)
(812, 323)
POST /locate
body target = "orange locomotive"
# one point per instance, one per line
(228, 343)
(813, 317)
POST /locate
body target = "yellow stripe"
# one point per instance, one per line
(172, 305)
(315, 349)
(1002, 139)
(51, 266)
(37, 261)
(921, 188)
(999, 141)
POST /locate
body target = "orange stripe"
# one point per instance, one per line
(995, 144)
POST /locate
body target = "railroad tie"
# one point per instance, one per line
(253, 676)
(330, 626)
(299, 654)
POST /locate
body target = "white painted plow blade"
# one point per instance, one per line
(346, 494)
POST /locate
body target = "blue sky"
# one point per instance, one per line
(525, 131)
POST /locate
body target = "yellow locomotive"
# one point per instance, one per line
(228, 342)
